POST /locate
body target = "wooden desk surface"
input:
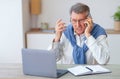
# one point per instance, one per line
(14, 71)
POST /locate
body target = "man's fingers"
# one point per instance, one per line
(59, 20)
(89, 20)
(61, 24)
(61, 27)
(61, 30)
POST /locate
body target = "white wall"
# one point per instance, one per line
(26, 15)
(114, 47)
(101, 11)
(26, 18)
(11, 31)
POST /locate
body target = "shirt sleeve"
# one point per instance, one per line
(57, 47)
(99, 48)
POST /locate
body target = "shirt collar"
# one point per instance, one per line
(82, 36)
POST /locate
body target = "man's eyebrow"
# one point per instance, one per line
(79, 19)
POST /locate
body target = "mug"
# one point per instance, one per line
(44, 26)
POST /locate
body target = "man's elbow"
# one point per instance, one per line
(104, 61)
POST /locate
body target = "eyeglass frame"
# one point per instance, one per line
(79, 21)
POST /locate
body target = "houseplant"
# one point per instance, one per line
(116, 17)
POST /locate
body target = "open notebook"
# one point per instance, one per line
(88, 69)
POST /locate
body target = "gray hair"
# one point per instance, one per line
(79, 8)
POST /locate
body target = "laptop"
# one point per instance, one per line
(42, 63)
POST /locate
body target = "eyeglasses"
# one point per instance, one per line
(73, 21)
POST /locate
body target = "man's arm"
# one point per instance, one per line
(58, 49)
(99, 48)
(57, 45)
(59, 28)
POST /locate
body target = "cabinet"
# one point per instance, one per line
(114, 46)
(38, 40)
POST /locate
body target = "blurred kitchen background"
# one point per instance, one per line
(23, 24)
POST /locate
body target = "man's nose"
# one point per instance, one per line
(77, 24)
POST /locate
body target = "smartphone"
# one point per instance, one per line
(89, 15)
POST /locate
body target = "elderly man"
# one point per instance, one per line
(82, 41)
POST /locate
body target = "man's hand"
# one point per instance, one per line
(59, 28)
(89, 26)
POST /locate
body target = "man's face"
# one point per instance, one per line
(78, 22)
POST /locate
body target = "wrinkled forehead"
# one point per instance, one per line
(79, 15)
(83, 13)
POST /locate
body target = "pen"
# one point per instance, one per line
(89, 68)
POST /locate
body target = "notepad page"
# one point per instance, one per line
(79, 70)
(98, 68)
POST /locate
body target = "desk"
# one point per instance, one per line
(14, 71)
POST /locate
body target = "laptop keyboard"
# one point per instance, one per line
(58, 73)
(61, 72)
